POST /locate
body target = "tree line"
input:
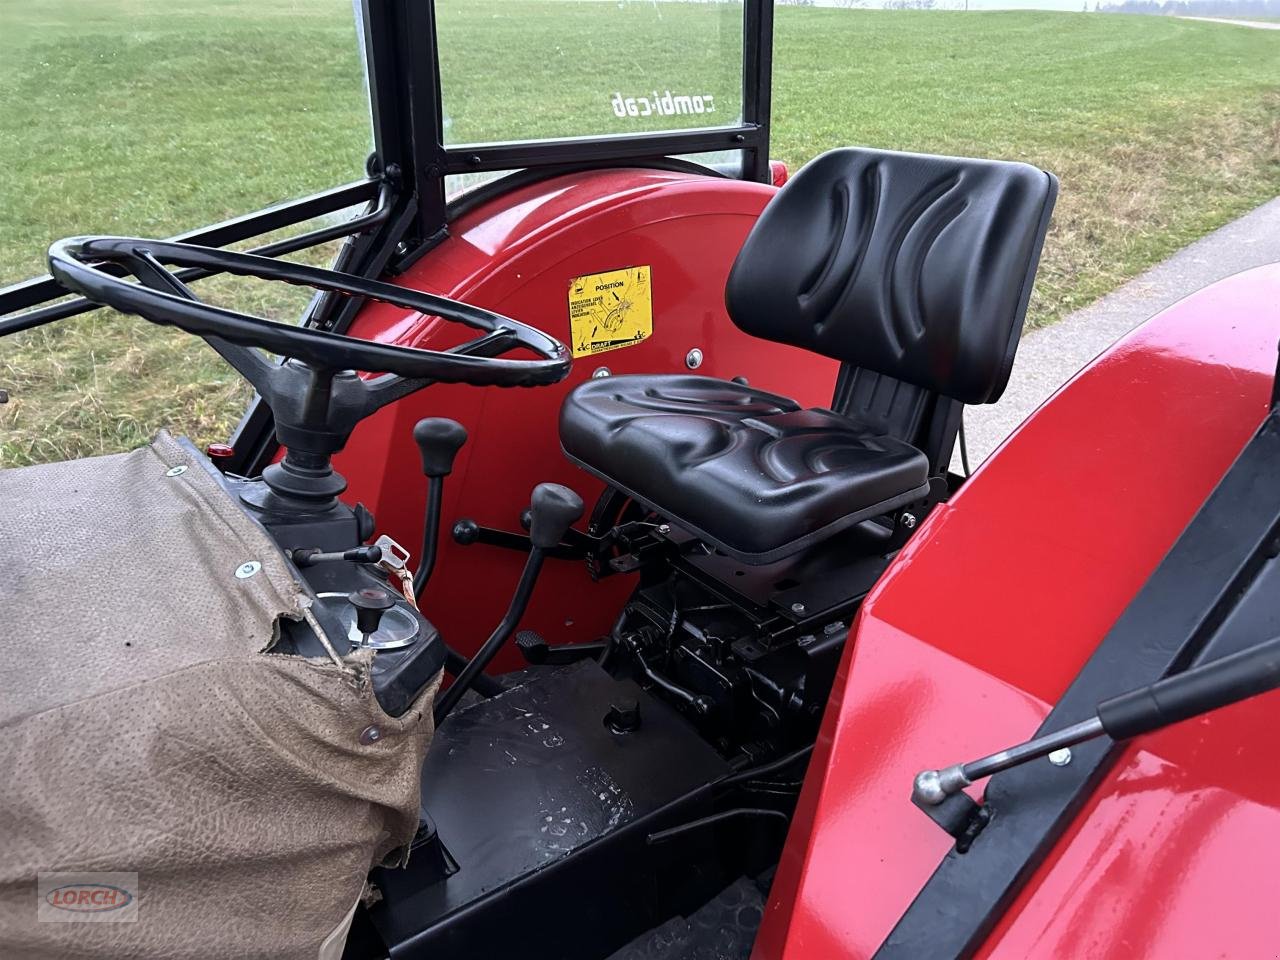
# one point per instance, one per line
(1172, 8)
(1197, 8)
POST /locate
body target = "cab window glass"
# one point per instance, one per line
(541, 69)
(150, 117)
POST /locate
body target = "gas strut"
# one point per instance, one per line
(553, 511)
(1218, 683)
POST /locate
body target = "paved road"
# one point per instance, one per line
(1048, 357)
(1255, 24)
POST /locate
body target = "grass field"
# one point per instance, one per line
(148, 117)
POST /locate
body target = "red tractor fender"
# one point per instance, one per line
(517, 254)
(984, 619)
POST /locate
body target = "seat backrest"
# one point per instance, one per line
(913, 266)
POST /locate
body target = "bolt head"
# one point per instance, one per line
(909, 520)
(175, 471)
(600, 372)
(370, 734)
(247, 570)
(623, 717)
(799, 608)
(1060, 758)
(664, 528)
(693, 359)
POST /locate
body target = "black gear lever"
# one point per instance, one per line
(439, 441)
(370, 604)
(553, 512)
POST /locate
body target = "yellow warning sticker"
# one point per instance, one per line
(610, 310)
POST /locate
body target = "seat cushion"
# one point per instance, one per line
(747, 471)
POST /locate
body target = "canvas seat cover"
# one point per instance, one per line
(144, 729)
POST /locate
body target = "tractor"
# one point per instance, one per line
(588, 578)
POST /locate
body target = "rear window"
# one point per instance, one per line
(551, 69)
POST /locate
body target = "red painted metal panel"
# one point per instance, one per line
(517, 254)
(984, 620)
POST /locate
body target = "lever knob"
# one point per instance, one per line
(370, 603)
(439, 441)
(553, 511)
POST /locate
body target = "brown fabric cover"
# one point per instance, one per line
(144, 729)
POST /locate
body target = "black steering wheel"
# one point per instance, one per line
(316, 397)
(162, 298)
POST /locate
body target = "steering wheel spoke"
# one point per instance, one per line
(492, 344)
(389, 387)
(245, 360)
(151, 273)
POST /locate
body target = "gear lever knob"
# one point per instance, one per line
(439, 441)
(553, 511)
(370, 604)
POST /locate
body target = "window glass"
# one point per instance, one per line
(150, 117)
(540, 69)
(461, 184)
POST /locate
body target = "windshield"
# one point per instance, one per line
(543, 69)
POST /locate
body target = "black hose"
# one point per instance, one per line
(671, 833)
(765, 769)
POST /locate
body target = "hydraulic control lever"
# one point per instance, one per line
(554, 510)
(439, 441)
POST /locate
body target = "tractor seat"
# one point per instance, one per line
(749, 472)
(912, 270)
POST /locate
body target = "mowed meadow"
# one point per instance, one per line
(146, 117)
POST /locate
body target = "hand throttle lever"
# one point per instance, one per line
(554, 510)
(439, 441)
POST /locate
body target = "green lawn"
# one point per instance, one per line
(151, 116)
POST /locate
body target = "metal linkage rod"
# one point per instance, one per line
(1182, 696)
(934, 786)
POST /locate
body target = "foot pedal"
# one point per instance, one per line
(538, 652)
(532, 647)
